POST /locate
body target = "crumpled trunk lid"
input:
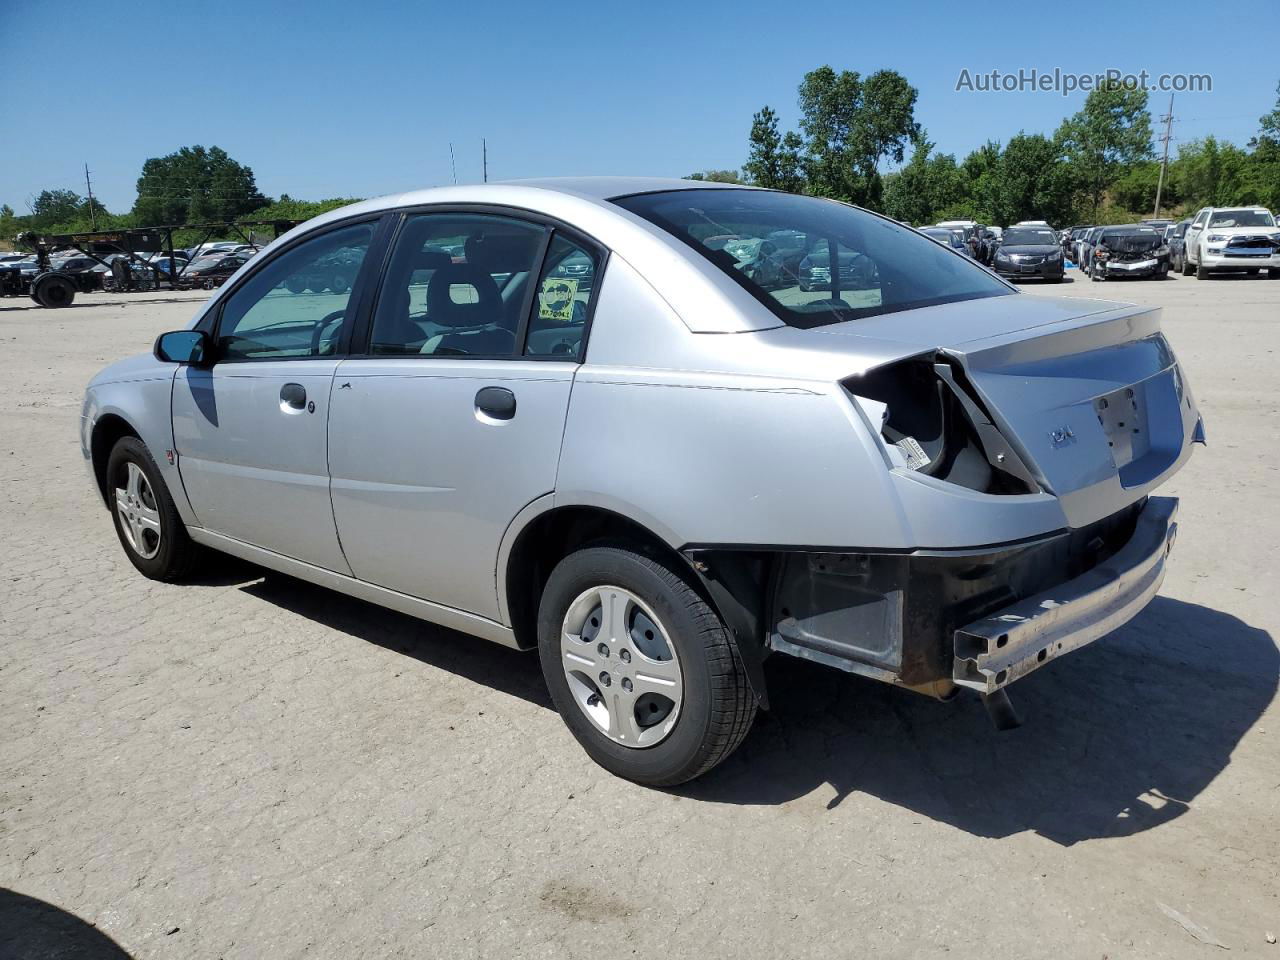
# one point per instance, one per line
(1088, 393)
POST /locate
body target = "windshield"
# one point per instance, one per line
(880, 266)
(1131, 241)
(1242, 218)
(1023, 236)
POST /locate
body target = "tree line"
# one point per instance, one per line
(1099, 166)
(191, 185)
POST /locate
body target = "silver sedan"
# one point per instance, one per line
(561, 416)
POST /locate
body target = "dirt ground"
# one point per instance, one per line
(253, 767)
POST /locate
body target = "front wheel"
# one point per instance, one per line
(643, 671)
(146, 520)
(1201, 272)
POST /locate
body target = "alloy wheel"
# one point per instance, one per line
(138, 512)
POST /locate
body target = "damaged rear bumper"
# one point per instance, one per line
(1011, 642)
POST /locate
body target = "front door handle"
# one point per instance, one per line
(496, 402)
(293, 395)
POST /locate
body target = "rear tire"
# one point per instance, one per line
(714, 705)
(151, 532)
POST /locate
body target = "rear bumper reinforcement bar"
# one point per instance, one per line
(997, 649)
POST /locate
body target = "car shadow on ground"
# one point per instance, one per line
(125, 300)
(31, 929)
(1117, 738)
(513, 672)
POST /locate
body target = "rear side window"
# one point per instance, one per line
(813, 261)
(457, 285)
(559, 318)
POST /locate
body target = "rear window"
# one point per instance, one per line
(814, 261)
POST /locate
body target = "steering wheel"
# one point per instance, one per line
(318, 334)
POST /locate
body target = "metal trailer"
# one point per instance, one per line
(51, 288)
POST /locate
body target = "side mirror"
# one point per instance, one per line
(183, 346)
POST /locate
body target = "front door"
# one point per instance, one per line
(251, 430)
(452, 422)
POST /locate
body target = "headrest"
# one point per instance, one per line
(444, 310)
(429, 260)
(503, 253)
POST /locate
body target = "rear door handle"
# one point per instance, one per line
(496, 402)
(294, 395)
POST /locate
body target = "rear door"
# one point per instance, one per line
(251, 430)
(451, 422)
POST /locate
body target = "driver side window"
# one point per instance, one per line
(296, 305)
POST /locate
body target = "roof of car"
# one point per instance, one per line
(607, 188)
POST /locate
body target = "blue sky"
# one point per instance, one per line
(363, 97)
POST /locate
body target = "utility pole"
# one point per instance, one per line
(1167, 120)
(93, 216)
(484, 149)
(453, 165)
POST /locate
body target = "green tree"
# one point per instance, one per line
(1216, 174)
(981, 170)
(774, 160)
(10, 226)
(1265, 171)
(1135, 190)
(716, 176)
(1270, 123)
(52, 207)
(1111, 132)
(195, 184)
(851, 125)
(1032, 182)
(928, 184)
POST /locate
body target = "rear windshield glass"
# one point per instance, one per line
(1025, 236)
(782, 248)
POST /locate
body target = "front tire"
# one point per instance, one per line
(1201, 272)
(147, 522)
(644, 673)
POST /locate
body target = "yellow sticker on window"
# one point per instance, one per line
(555, 299)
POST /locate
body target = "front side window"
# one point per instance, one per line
(296, 305)
(457, 285)
(558, 321)
(818, 261)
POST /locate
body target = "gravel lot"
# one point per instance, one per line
(254, 767)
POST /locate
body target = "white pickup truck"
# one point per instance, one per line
(1232, 238)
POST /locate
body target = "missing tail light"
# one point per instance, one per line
(932, 422)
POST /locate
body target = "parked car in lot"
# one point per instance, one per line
(1222, 239)
(1029, 253)
(952, 239)
(212, 270)
(931, 482)
(1132, 250)
(1175, 239)
(1084, 254)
